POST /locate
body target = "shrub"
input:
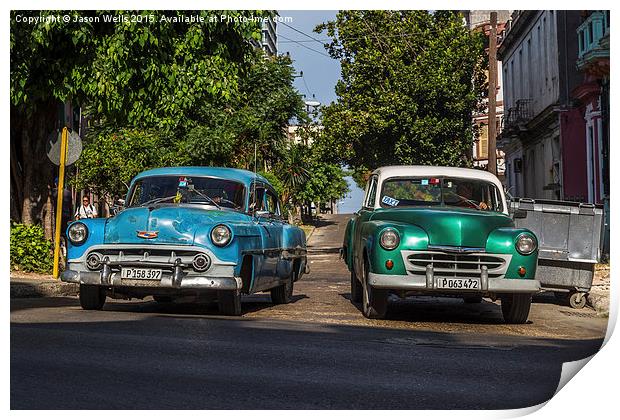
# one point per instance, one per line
(30, 251)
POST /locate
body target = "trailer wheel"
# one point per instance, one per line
(577, 300)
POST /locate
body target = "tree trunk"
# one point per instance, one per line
(36, 178)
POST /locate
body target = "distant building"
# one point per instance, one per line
(293, 135)
(480, 20)
(269, 41)
(542, 127)
(269, 38)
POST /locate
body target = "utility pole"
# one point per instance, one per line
(492, 133)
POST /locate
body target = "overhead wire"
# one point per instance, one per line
(305, 46)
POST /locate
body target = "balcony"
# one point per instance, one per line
(593, 35)
(515, 120)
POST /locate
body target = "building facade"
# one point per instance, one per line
(593, 101)
(542, 127)
(269, 41)
(480, 20)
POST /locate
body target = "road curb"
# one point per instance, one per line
(28, 289)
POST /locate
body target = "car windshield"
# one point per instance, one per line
(184, 189)
(441, 191)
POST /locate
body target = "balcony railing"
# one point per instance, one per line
(516, 117)
(590, 33)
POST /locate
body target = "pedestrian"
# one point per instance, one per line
(86, 210)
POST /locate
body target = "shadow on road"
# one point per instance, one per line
(252, 303)
(162, 362)
(440, 310)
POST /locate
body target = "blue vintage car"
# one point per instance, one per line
(189, 231)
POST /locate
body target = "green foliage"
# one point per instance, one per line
(293, 171)
(274, 181)
(30, 251)
(410, 83)
(257, 116)
(326, 183)
(307, 175)
(142, 74)
(113, 157)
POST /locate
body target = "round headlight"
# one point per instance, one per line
(389, 239)
(221, 235)
(526, 244)
(78, 232)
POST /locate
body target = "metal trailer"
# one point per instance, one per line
(570, 242)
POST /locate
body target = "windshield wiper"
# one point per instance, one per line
(208, 198)
(157, 200)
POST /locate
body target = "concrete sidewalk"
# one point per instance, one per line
(29, 286)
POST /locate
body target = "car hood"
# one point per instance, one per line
(176, 224)
(449, 226)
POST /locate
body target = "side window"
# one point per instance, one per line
(372, 193)
(257, 204)
(271, 202)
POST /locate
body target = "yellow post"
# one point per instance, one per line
(59, 196)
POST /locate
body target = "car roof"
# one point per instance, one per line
(385, 172)
(240, 175)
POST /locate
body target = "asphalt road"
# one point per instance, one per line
(316, 353)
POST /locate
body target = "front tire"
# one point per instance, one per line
(516, 308)
(92, 297)
(374, 301)
(283, 293)
(356, 288)
(229, 302)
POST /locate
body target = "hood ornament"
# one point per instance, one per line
(146, 234)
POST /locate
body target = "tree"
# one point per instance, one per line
(150, 75)
(220, 131)
(410, 83)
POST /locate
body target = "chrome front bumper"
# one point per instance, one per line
(171, 281)
(175, 262)
(428, 283)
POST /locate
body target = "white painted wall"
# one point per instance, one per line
(530, 67)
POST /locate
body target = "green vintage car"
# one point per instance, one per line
(439, 231)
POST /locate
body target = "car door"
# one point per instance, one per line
(363, 215)
(271, 230)
(274, 225)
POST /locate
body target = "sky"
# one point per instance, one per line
(320, 72)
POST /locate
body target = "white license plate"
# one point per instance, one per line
(461, 284)
(141, 273)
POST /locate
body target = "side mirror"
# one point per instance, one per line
(519, 214)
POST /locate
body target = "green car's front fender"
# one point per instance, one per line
(412, 237)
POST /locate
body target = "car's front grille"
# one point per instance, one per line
(456, 265)
(143, 256)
